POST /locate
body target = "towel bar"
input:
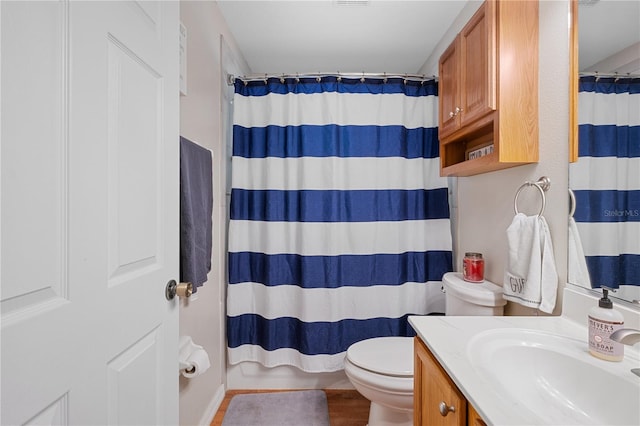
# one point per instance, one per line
(543, 184)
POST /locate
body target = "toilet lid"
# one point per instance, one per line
(385, 355)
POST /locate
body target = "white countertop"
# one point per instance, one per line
(447, 338)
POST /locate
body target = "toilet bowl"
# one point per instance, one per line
(381, 368)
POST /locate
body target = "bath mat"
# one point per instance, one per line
(299, 408)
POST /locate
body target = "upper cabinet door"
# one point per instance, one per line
(478, 65)
(449, 92)
(467, 73)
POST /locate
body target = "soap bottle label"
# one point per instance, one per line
(599, 341)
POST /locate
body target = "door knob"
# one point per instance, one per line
(174, 289)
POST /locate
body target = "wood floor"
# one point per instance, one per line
(346, 407)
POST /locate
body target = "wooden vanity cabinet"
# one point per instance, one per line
(488, 90)
(437, 401)
(473, 418)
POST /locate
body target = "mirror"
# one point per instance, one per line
(604, 172)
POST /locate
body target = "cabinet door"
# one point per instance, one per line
(473, 418)
(432, 389)
(478, 65)
(448, 90)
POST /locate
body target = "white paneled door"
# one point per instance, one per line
(89, 201)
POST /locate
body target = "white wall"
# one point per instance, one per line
(430, 66)
(485, 202)
(203, 317)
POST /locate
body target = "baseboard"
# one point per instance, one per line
(213, 406)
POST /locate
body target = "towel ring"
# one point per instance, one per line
(542, 184)
(572, 203)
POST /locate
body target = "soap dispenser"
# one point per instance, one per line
(604, 320)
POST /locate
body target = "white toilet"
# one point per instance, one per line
(381, 369)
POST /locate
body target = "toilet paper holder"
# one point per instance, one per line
(186, 347)
(187, 365)
(187, 368)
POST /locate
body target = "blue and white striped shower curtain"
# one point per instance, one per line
(606, 179)
(339, 223)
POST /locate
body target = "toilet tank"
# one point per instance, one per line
(473, 299)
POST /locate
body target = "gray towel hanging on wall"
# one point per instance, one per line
(196, 207)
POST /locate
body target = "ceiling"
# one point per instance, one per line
(306, 36)
(392, 36)
(607, 27)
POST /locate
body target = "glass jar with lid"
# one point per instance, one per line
(473, 267)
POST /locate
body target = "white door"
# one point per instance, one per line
(89, 227)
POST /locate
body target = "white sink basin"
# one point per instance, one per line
(554, 379)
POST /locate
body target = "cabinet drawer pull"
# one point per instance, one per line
(451, 114)
(446, 409)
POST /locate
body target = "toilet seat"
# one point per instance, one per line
(381, 369)
(392, 356)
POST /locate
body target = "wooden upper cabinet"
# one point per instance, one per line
(467, 73)
(488, 90)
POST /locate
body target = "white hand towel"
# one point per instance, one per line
(530, 278)
(578, 272)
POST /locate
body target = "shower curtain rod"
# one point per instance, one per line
(362, 75)
(608, 75)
